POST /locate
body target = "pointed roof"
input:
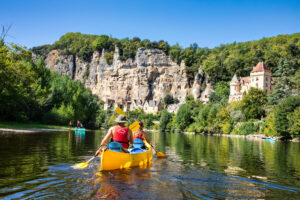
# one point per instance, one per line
(260, 67)
(234, 79)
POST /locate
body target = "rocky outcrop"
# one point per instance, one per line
(149, 76)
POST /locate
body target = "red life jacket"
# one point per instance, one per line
(121, 135)
(138, 135)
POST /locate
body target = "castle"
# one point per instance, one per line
(260, 77)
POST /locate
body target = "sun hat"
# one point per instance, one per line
(121, 119)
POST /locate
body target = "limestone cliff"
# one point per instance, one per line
(149, 76)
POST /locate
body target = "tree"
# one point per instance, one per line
(252, 104)
(285, 108)
(294, 122)
(283, 86)
(183, 117)
(168, 99)
(221, 92)
(165, 118)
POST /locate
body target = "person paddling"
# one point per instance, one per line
(140, 134)
(119, 133)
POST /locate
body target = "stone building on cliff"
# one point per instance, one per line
(260, 77)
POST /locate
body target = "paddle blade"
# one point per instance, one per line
(160, 155)
(120, 111)
(147, 144)
(81, 165)
(134, 126)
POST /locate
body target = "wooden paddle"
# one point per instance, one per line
(134, 127)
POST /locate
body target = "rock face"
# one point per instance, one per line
(149, 76)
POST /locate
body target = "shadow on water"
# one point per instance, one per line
(34, 166)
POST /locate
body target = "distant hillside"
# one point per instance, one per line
(219, 63)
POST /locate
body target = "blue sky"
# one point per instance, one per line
(208, 23)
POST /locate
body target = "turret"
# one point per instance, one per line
(235, 86)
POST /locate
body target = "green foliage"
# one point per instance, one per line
(221, 93)
(183, 117)
(165, 119)
(294, 123)
(220, 63)
(270, 129)
(284, 109)
(59, 116)
(252, 104)
(284, 82)
(109, 57)
(296, 79)
(100, 119)
(17, 83)
(168, 99)
(30, 92)
(247, 128)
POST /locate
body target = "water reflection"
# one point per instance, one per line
(39, 166)
(79, 137)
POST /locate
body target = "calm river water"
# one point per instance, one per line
(38, 166)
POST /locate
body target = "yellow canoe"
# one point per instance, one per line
(111, 160)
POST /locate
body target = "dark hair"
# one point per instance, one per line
(141, 124)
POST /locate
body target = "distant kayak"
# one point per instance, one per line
(270, 139)
(79, 129)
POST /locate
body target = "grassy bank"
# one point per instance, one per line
(29, 125)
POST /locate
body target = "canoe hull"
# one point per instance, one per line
(111, 160)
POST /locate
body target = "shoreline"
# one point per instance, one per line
(250, 137)
(31, 130)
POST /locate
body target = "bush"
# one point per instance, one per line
(109, 57)
(168, 99)
(247, 128)
(59, 116)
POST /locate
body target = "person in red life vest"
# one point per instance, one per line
(140, 134)
(78, 124)
(119, 133)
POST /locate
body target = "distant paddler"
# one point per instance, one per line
(119, 133)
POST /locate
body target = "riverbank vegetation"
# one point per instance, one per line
(29, 126)
(252, 115)
(29, 92)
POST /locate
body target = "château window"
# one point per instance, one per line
(266, 84)
(266, 78)
(256, 78)
(257, 85)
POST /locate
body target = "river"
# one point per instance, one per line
(39, 166)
